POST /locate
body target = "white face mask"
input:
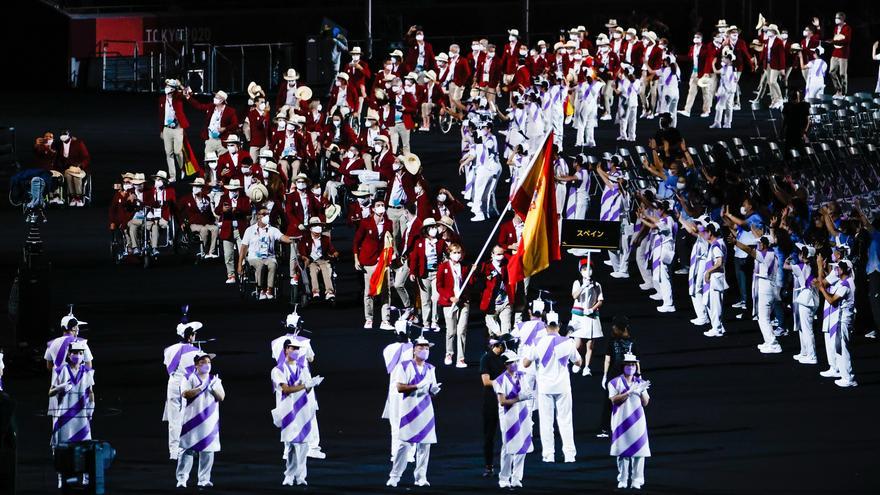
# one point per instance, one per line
(232, 149)
(432, 231)
(697, 40)
(377, 148)
(246, 170)
(616, 36)
(301, 186)
(159, 183)
(441, 197)
(316, 191)
(355, 58)
(168, 90)
(455, 257)
(838, 20)
(233, 194)
(316, 230)
(497, 257)
(380, 210)
(806, 33)
(578, 57)
(212, 165)
(783, 36)
(419, 190)
(742, 210)
(197, 191)
(217, 101)
(338, 83)
(127, 187)
(291, 84)
(396, 166)
(337, 123)
(264, 220)
(262, 107)
(420, 37)
(490, 54)
(511, 38)
(65, 138)
(368, 123)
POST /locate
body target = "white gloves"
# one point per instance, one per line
(605, 381)
(216, 382)
(68, 387)
(640, 387)
(435, 389)
(422, 389)
(313, 381)
(525, 396)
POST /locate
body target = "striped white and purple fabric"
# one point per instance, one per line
(629, 429)
(717, 250)
(834, 314)
(293, 412)
(72, 411)
(56, 349)
(530, 331)
(611, 206)
(416, 413)
(515, 420)
(697, 266)
(201, 417)
(179, 359)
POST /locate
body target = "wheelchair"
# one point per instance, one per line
(167, 236)
(190, 246)
(301, 285)
(58, 189)
(247, 280)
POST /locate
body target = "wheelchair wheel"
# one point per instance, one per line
(355, 122)
(116, 247)
(445, 123)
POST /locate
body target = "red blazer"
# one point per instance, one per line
(655, 58)
(538, 65)
(418, 262)
(348, 166)
(169, 206)
(806, 46)
(293, 209)
(77, 155)
(702, 52)
(712, 54)
(241, 213)
(228, 119)
(384, 164)
(368, 243)
(636, 54)
(316, 124)
(492, 278)
(260, 127)
(358, 77)
(281, 99)
(351, 96)
(509, 56)
(495, 66)
(506, 234)
(407, 180)
(346, 138)
(423, 206)
(453, 205)
(473, 63)
(44, 156)
(120, 211)
(843, 51)
(446, 284)
(227, 169)
(558, 63)
(610, 62)
(776, 60)
(412, 54)
(522, 79)
(365, 142)
(410, 108)
(304, 246)
(437, 97)
(176, 103)
(188, 210)
(743, 58)
(304, 148)
(462, 72)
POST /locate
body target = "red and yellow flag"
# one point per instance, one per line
(535, 199)
(377, 279)
(190, 163)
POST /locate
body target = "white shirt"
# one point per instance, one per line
(553, 377)
(214, 125)
(170, 116)
(261, 241)
(316, 249)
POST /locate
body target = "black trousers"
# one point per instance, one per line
(490, 428)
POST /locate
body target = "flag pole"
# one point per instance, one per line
(498, 222)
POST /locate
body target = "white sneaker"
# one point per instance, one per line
(569, 459)
(738, 305)
(704, 115)
(845, 383)
(386, 326)
(830, 373)
(447, 360)
(681, 271)
(422, 483)
(548, 459)
(478, 218)
(699, 321)
(180, 484)
(621, 485)
(575, 369)
(808, 360)
(772, 349)
(288, 481)
(608, 263)
(368, 324)
(871, 335)
(316, 453)
(270, 294)
(619, 275)
(230, 280)
(461, 364)
(684, 114)
(646, 286)
(587, 371)
(656, 297)
(503, 484)
(666, 309)
(263, 296)
(713, 333)
(798, 357)
(391, 482)
(636, 487)
(607, 116)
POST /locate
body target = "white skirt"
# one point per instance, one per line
(585, 327)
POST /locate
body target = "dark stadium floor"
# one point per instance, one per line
(723, 418)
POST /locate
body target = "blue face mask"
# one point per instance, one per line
(629, 370)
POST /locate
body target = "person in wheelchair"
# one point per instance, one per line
(317, 253)
(432, 99)
(196, 215)
(349, 161)
(120, 212)
(134, 204)
(370, 131)
(293, 147)
(339, 133)
(161, 203)
(72, 159)
(258, 247)
(343, 97)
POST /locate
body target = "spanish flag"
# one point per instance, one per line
(535, 200)
(191, 164)
(377, 279)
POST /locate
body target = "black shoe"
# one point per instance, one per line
(489, 471)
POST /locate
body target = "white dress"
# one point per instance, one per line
(72, 411)
(629, 437)
(585, 324)
(416, 413)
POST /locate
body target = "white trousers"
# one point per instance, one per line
(174, 415)
(185, 463)
(297, 456)
(631, 468)
(642, 251)
(626, 232)
(482, 190)
(423, 454)
(803, 325)
(558, 405)
(628, 122)
(660, 276)
(714, 308)
(469, 172)
(830, 352)
(765, 315)
(724, 110)
(844, 360)
(699, 304)
(511, 468)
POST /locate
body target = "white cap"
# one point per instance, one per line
(66, 321)
(552, 317)
(292, 319)
(537, 305)
(630, 358)
(510, 357)
(421, 340)
(194, 325)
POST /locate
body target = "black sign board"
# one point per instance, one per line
(591, 234)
